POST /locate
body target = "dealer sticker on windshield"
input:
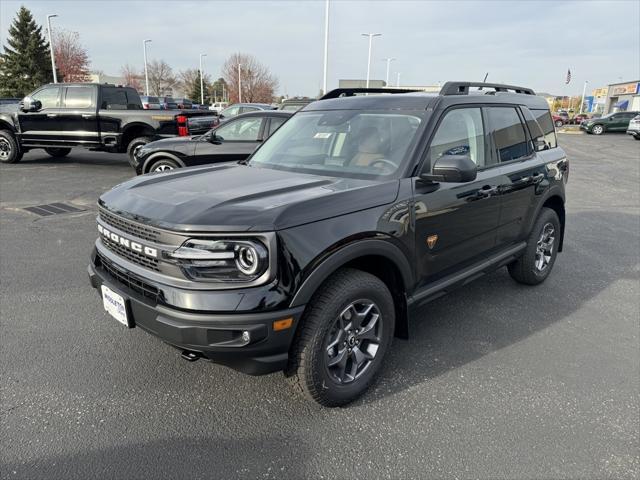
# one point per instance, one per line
(322, 135)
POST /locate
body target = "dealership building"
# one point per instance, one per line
(620, 97)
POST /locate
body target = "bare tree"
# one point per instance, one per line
(257, 83)
(132, 77)
(72, 60)
(161, 78)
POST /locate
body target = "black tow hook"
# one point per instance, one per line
(190, 356)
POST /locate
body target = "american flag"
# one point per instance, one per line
(568, 76)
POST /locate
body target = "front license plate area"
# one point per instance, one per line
(116, 306)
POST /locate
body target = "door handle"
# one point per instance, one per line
(537, 178)
(52, 115)
(487, 191)
(87, 115)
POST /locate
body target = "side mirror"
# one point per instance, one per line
(215, 139)
(28, 104)
(452, 168)
(540, 144)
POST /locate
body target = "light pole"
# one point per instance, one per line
(584, 91)
(53, 58)
(202, 80)
(326, 47)
(388, 60)
(239, 83)
(370, 35)
(398, 79)
(146, 73)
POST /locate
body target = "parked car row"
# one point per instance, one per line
(167, 103)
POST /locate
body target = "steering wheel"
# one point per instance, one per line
(384, 162)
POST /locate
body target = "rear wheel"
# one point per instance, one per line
(57, 152)
(344, 335)
(597, 129)
(163, 165)
(535, 265)
(135, 144)
(559, 123)
(9, 151)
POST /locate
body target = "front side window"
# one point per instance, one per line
(342, 143)
(49, 97)
(460, 133)
(244, 129)
(78, 97)
(231, 111)
(508, 133)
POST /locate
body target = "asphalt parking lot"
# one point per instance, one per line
(498, 380)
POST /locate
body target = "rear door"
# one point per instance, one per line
(42, 127)
(621, 121)
(233, 141)
(78, 116)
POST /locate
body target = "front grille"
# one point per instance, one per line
(131, 281)
(129, 227)
(135, 257)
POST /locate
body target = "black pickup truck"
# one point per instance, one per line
(58, 117)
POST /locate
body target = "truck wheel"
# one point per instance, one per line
(58, 152)
(9, 151)
(135, 144)
(163, 165)
(597, 129)
(534, 266)
(343, 337)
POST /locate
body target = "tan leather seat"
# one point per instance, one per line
(370, 147)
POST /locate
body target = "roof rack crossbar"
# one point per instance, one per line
(350, 92)
(462, 88)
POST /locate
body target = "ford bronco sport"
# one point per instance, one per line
(309, 257)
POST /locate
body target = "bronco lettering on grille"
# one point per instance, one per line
(127, 243)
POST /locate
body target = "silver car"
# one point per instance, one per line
(634, 127)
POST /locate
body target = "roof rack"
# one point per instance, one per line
(462, 88)
(350, 92)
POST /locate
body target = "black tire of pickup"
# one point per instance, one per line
(58, 152)
(540, 252)
(323, 341)
(9, 150)
(135, 143)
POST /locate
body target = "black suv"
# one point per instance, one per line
(310, 256)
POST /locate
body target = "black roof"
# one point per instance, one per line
(451, 93)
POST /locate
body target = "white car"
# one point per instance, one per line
(219, 106)
(634, 127)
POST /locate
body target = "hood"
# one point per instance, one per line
(234, 198)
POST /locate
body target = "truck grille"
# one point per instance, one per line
(128, 226)
(135, 257)
(134, 283)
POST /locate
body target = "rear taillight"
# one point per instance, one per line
(183, 127)
(145, 106)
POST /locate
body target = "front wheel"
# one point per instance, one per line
(163, 165)
(559, 123)
(57, 152)
(535, 265)
(597, 130)
(344, 335)
(9, 151)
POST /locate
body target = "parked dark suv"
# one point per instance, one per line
(310, 256)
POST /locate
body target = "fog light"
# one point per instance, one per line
(246, 336)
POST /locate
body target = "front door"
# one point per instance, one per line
(232, 141)
(456, 223)
(42, 126)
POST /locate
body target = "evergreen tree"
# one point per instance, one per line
(26, 62)
(194, 91)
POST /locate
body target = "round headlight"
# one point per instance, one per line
(249, 258)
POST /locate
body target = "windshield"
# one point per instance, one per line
(342, 143)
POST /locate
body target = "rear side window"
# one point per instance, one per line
(119, 99)
(535, 130)
(275, 124)
(461, 132)
(546, 123)
(78, 97)
(508, 133)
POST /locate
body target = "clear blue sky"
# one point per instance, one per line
(529, 43)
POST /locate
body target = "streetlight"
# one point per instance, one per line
(202, 80)
(398, 79)
(584, 91)
(326, 46)
(388, 60)
(146, 73)
(239, 84)
(370, 35)
(53, 59)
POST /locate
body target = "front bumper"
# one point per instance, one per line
(215, 336)
(634, 132)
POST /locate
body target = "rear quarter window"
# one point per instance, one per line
(543, 118)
